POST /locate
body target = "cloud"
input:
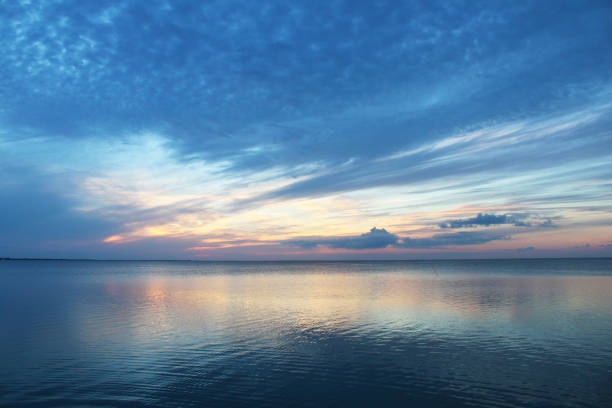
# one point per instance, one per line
(480, 161)
(486, 220)
(452, 239)
(221, 78)
(525, 249)
(381, 238)
(587, 245)
(481, 219)
(374, 239)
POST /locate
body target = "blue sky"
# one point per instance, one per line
(305, 130)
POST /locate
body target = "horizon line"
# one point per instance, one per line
(301, 260)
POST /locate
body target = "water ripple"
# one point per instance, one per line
(306, 334)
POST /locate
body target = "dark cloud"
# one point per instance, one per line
(525, 249)
(376, 238)
(586, 246)
(381, 238)
(486, 220)
(546, 224)
(458, 238)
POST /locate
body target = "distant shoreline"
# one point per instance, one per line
(48, 259)
(299, 260)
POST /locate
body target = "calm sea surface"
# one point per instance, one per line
(189, 334)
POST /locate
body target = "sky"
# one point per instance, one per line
(235, 130)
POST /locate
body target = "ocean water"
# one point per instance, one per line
(526, 333)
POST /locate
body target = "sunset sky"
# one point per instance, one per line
(305, 130)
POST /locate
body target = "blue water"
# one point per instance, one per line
(190, 334)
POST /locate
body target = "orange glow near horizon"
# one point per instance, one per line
(113, 238)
